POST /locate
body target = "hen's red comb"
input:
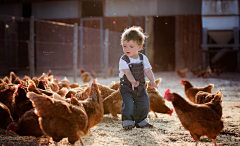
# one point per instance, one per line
(71, 95)
(94, 80)
(56, 78)
(27, 78)
(171, 111)
(182, 80)
(20, 85)
(166, 92)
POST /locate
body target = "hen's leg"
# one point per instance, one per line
(155, 115)
(149, 116)
(196, 143)
(47, 142)
(35, 139)
(81, 141)
(55, 143)
(195, 137)
(113, 118)
(215, 142)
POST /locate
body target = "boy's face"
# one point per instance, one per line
(131, 48)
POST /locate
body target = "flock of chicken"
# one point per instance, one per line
(203, 114)
(201, 73)
(60, 109)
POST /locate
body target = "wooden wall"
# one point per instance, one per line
(177, 39)
(164, 43)
(188, 50)
(108, 22)
(91, 42)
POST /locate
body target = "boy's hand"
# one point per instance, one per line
(153, 84)
(135, 84)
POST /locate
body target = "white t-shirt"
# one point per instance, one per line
(123, 64)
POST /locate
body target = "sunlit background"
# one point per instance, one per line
(181, 34)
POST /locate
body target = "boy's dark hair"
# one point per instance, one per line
(134, 33)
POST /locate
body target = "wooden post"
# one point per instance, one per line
(75, 42)
(129, 20)
(81, 44)
(236, 42)
(31, 48)
(101, 41)
(149, 49)
(146, 31)
(106, 52)
(137, 21)
(204, 49)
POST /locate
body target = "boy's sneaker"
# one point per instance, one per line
(129, 127)
(145, 126)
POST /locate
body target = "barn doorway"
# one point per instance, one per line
(164, 43)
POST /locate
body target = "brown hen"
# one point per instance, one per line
(198, 119)
(205, 97)
(5, 116)
(195, 71)
(64, 83)
(112, 104)
(58, 119)
(7, 95)
(22, 104)
(182, 73)
(54, 85)
(85, 76)
(157, 104)
(220, 70)
(93, 106)
(28, 125)
(191, 91)
(105, 91)
(114, 85)
(205, 73)
(6, 80)
(13, 77)
(94, 74)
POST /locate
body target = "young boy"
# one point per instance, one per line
(132, 66)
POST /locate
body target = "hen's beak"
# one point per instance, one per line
(170, 112)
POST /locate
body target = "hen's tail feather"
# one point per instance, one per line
(218, 96)
(210, 87)
(58, 97)
(95, 92)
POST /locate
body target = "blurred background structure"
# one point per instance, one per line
(220, 22)
(38, 35)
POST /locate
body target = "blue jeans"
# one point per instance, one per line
(135, 107)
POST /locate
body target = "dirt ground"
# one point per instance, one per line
(168, 130)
